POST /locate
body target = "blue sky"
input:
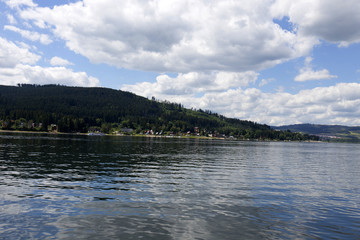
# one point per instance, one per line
(270, 61)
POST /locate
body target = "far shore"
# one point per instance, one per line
(151, 136)
(112, 135)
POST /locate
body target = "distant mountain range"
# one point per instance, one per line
(330, 132)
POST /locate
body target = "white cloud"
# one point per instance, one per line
(308, 74)
(33, 36)
(19, 3)
(16, 66)
(264, 82)
(11, 54)
(173, 36)
(11, 19)
(185, 36)
(58, 61)
(335, 21)
(193, 83)
(327, 105)
(40, 75)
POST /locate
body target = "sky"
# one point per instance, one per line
(275, 62)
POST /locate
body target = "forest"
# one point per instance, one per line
(57, 108)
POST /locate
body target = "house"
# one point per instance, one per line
(53, 127)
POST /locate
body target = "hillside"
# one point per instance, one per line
(77, 109)
(331, 132)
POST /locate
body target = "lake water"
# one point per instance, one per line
(88, 187)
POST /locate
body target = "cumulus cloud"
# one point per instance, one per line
(20, 3)
(11, 54)
(40, 75)
(334, 21)
(185, 36)
(11, 19)
(193, 83)
(173, 36)
(17, 66)
(33, 36)
(308, 74)
(326, 105)
(58, 61)
(264, 82)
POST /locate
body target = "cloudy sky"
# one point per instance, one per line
(270, 61)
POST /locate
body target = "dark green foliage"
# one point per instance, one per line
(77, 109)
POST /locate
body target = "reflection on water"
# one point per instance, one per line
(86, 187)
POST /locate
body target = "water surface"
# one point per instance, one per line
(88, 187)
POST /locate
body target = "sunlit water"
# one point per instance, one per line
(86, 187)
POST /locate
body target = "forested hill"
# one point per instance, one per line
(333, 132)
(78, 109)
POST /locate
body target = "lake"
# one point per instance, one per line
(92, 187)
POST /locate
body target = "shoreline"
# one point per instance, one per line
(111, 135)
(153, 136)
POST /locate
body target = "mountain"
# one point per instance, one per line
(78, 109)
(330, 132)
